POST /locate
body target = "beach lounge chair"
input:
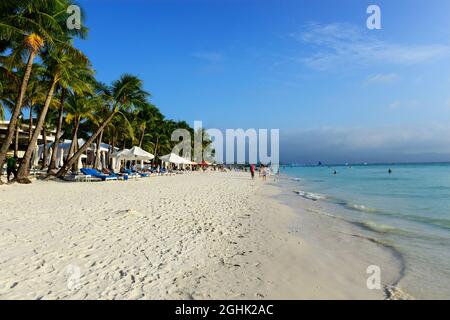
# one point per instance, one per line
(132, 174)
(96, 174)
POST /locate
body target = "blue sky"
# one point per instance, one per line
(335, 89)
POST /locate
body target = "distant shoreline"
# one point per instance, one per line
(363, 164)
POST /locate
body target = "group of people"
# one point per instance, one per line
(263, 171)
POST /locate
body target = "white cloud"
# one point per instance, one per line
(408, 104)
(212, 57)
(344, 44)
(383, 78)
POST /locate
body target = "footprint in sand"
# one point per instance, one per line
(129, 213)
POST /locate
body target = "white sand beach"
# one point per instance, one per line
(193, 236)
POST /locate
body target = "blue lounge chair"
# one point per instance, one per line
(95, 173)
(132, 173)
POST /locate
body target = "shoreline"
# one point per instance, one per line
(339, 271)
(194, 236)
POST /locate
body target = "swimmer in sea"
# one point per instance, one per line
(389, 171)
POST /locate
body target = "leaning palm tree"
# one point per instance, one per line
(35, 95)
(60, 62)
(79, 81)
(143, 117)
(123, 130)
(78, 110)
(26, 26)
(102, 111)
(4, 83)
(49, 124)
(2, 110)
(127, 93)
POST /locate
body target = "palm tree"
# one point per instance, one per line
(60, 62)
(121, 130)
(143, 118)
(26, 26)
(49, 124)
(101, 112)
(78, 109)
(127, 93)
(35, 95)
(79, 81)
(10, 83)
(2, 110)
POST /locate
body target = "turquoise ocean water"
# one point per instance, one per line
(408, 209)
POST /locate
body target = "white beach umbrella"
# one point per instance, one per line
(135, 153)
(175, 159)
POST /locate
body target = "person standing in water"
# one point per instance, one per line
(389, 171)
(252, 171)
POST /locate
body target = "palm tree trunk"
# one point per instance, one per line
(62, 172)
(109, 153)
(75, 149)
(22, 174)
(52, 165)
(16, 141)
(97, 151)
(112, 150)
(74, 139)
(30, 125)
(142, 137)
(44, 152)
(156, 147)
(16, 111)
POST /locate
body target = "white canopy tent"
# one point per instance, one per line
(175, 159)
(133, 154)
(63, 151)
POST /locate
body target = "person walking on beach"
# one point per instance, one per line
(252, 171)
(11, 164)
(263, 172)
